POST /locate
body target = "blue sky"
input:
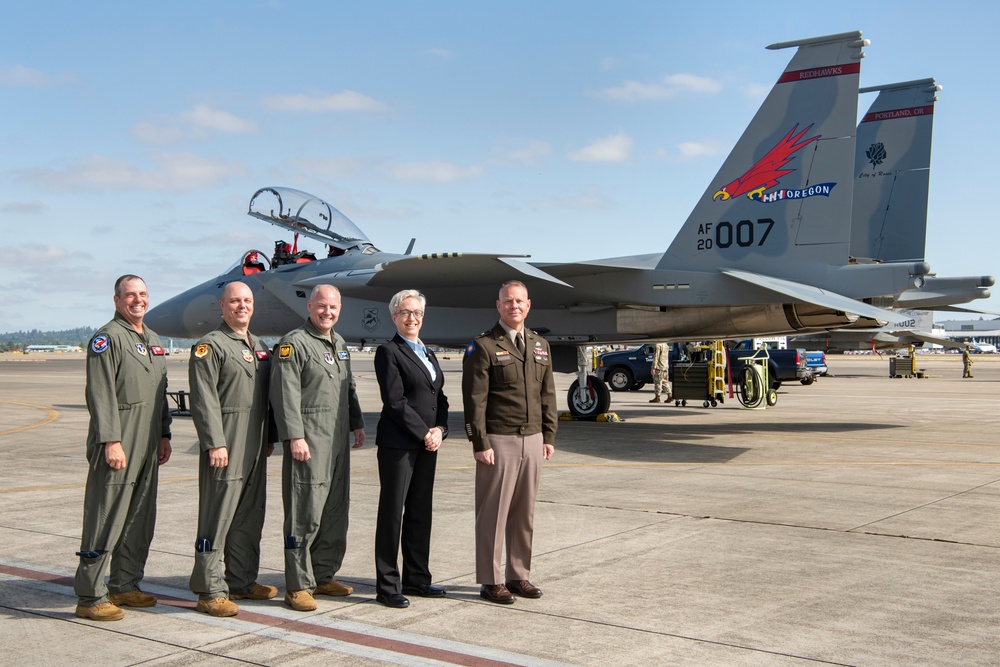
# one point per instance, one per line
(134, 134)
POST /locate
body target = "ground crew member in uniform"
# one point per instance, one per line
(510, 416)
(229, 374)
(661, 372)
(128, 439)
(315, 409)
(966, 363)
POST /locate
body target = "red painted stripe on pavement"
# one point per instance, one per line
(346, 636)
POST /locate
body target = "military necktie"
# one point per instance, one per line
(519, 342)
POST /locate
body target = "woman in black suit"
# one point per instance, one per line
(413, 423)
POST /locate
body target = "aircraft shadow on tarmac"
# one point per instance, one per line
(658, 443)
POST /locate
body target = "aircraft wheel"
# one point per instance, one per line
(597, 398)
(714, 403)
(684, 402)
(772, 398)
(705, 404)
(620, 379)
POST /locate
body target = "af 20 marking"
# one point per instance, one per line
(725, 234)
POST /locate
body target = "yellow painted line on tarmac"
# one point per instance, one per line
(52, 414)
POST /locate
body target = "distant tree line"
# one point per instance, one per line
(21, 339)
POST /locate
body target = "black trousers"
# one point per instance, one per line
(405, 504)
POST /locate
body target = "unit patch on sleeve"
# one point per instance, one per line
(100, 344)
(201, 351)
(284, 351)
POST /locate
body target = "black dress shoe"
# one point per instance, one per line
(425, 591)
(496, 593)
(524, 589)
(394, 600)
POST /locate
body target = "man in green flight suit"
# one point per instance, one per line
(229, 374)
(128, 439)
(315, 407)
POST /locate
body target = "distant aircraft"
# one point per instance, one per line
(766, 251)
(982, 348)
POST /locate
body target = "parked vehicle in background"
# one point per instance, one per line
(816, 361)
(630, 370)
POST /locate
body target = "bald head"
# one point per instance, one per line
(237, 306)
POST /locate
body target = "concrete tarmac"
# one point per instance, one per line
(854, 523)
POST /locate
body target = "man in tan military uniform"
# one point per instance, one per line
(510, 416)
(228, 374)
(128, 439)
(315, 408)
(661, 372)
(966, 363)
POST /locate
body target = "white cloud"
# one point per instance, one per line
(19, 75)
(348, 100)
(192, 124)
(172, 172)
(23, 208)
(616, 148)
(669, 86)
(206, 117)
(695, 149)
(525, 152)
(434, 172)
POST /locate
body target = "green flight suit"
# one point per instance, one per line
(229, 377)
(313, 397)
(126, 396)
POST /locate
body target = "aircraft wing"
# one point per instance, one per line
(816, 295)
(434, 272)
(927, 338)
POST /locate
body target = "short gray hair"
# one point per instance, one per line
(400, 297)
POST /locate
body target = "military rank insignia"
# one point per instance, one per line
(285, 351)
(263, 354)
(156, 350)
(247, 356)
(201, 351)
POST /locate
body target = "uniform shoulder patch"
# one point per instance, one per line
(201, 351)
(285, 351)
(100, 343)
(470, 348)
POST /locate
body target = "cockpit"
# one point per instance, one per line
(302, 214)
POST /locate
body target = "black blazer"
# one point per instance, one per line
(411, 403)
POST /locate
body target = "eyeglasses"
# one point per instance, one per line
(407, 313)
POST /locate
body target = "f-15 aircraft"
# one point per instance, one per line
(766, 251)
(889, 217)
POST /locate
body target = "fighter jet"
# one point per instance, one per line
(889, 218)
(766, 251)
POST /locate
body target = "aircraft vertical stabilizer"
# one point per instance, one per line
(782, 199)
(892, 173)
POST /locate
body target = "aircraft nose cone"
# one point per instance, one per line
(191, 314)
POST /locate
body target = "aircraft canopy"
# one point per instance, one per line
(305, 214)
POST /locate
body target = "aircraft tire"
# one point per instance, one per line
(598, 399)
